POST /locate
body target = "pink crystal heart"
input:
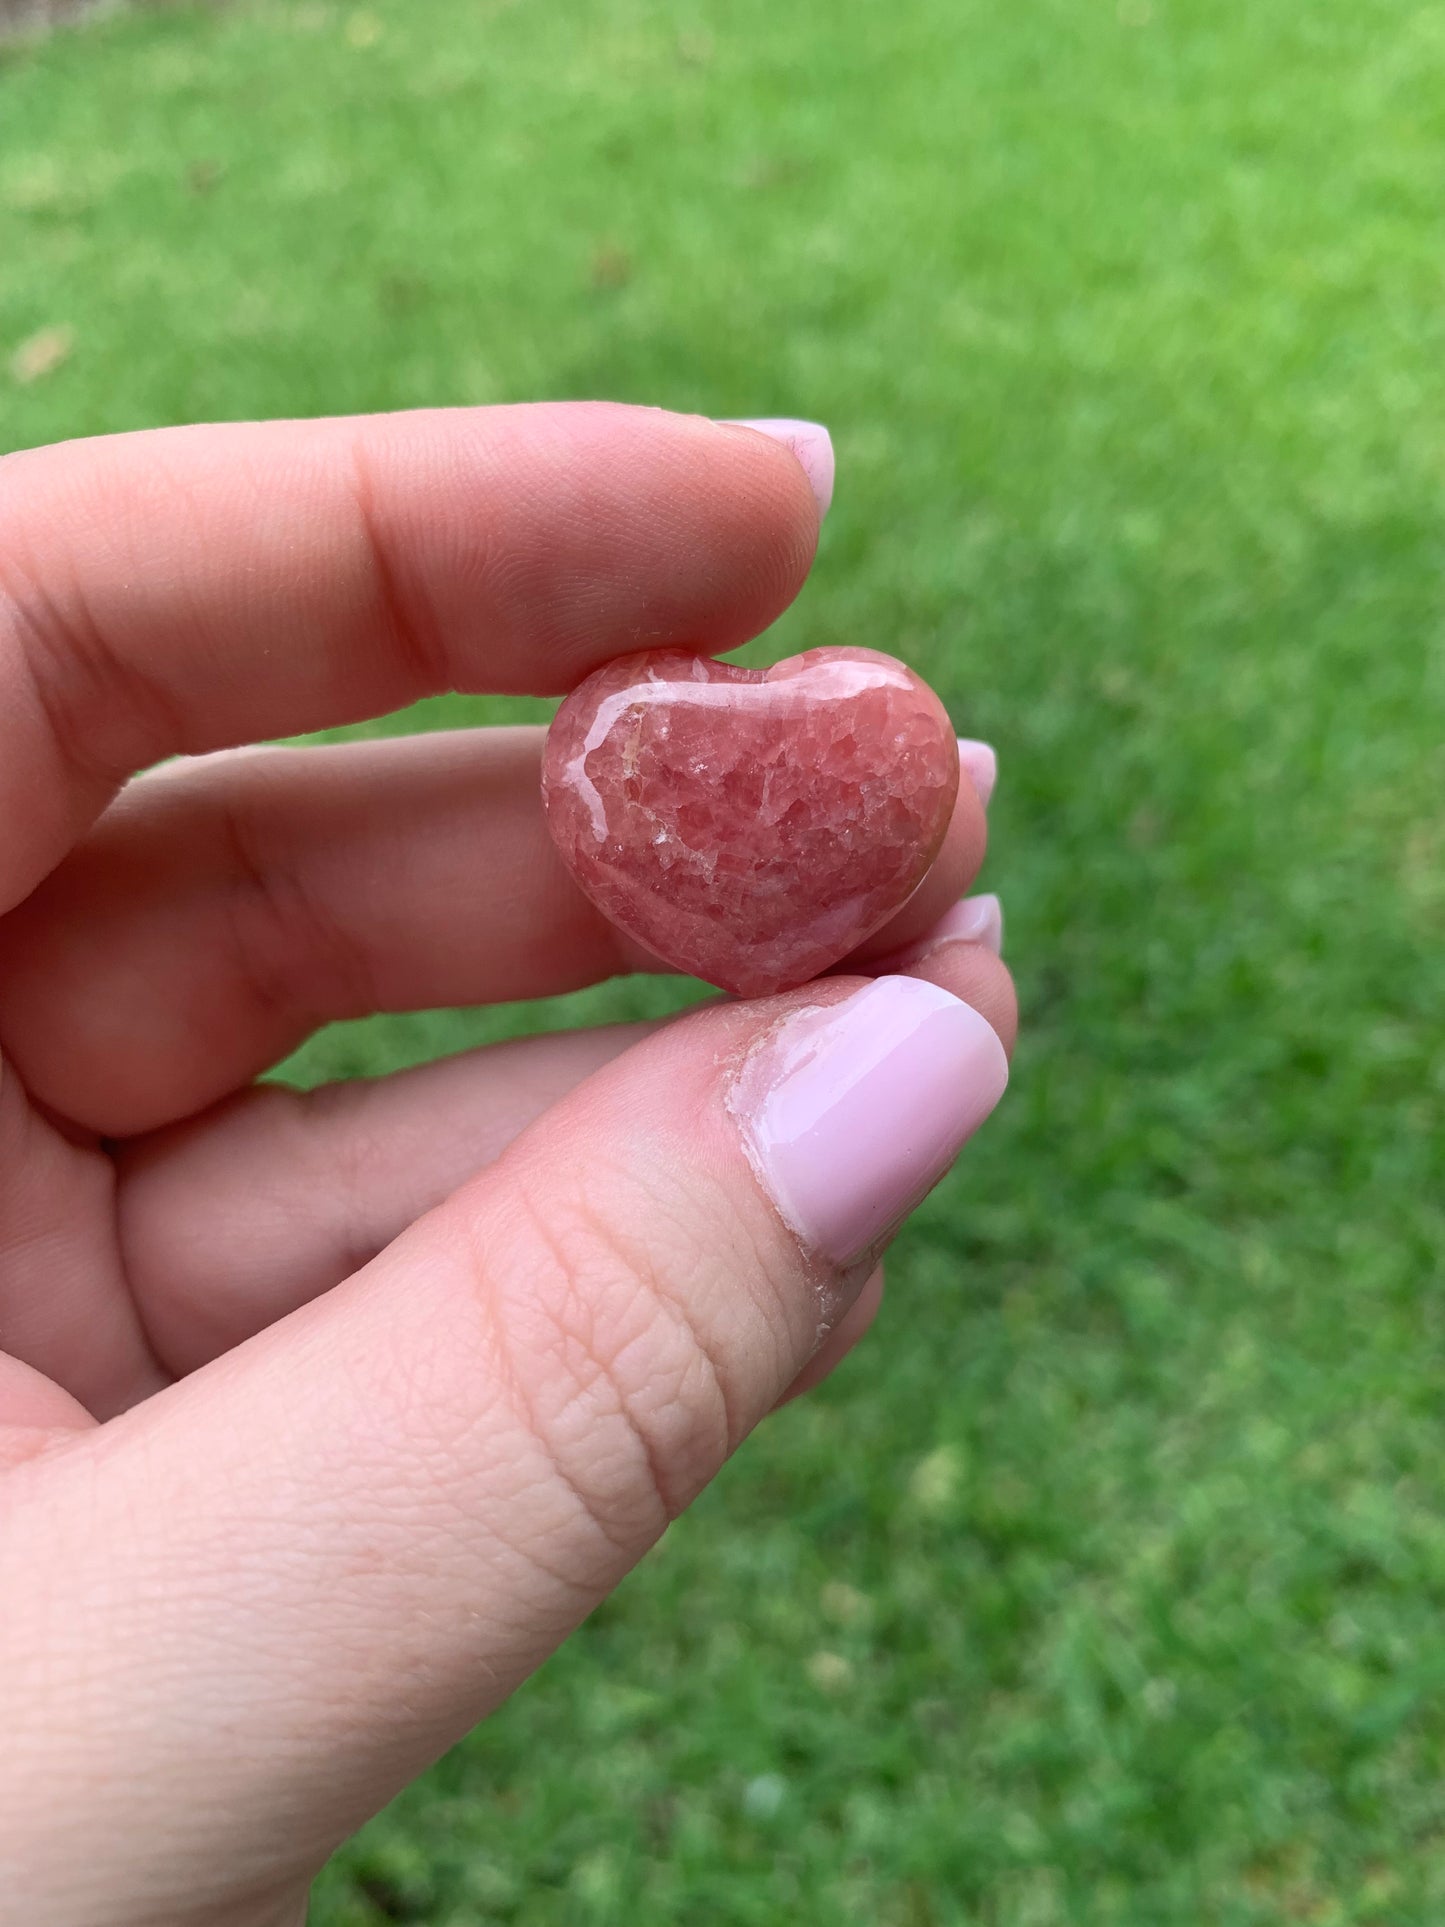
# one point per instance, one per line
(750, 826)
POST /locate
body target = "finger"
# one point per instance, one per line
(960, 951)
(230, 1221)
(65, 1313)
(851, 1329)
(226, 1223)
(953, 870)
(223, 908)
(186, 589)
(376, 1518)
(33, 1409)
(975, 920)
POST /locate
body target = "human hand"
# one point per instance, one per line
(324, 1418)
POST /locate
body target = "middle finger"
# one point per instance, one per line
(223, 908)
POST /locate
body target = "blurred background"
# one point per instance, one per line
(1105, 1585)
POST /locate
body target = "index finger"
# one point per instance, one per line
(187, 589)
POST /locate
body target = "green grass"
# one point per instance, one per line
(1107, 1586)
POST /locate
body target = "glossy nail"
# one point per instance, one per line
(979, 764)
(811, 444)
(973, 920)
(851, 1113)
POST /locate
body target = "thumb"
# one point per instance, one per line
(342, 1544)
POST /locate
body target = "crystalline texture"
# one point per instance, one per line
(750, 826)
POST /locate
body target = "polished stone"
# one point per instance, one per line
(750, 826)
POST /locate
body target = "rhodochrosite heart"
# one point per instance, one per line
(750, 826)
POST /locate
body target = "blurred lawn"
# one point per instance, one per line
(1107, 1585)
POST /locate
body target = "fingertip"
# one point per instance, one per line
(977, 919)
(810, 445)
(974, 974)
(849, 1332)
(979, 764)
(953, 870)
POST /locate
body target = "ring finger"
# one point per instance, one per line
(231, 1221)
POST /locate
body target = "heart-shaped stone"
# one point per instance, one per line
(750, 826)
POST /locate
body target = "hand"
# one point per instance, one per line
(324, 1418)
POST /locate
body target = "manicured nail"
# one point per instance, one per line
(810, 442)
(850, 1114)
(980, 765)
(974, 920)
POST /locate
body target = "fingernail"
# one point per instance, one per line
(850, 1114)
(980, 765)
(810, 442)
(974, 920)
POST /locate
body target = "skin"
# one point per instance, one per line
(325, 1417)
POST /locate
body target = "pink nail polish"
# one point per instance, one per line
(851, 1113)
(973, 920)
(979, 763)
(810, 442)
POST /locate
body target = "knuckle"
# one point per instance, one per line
(624, 1385)
(301, 957)
(417, 638)
(62, 667)
(103, 714)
